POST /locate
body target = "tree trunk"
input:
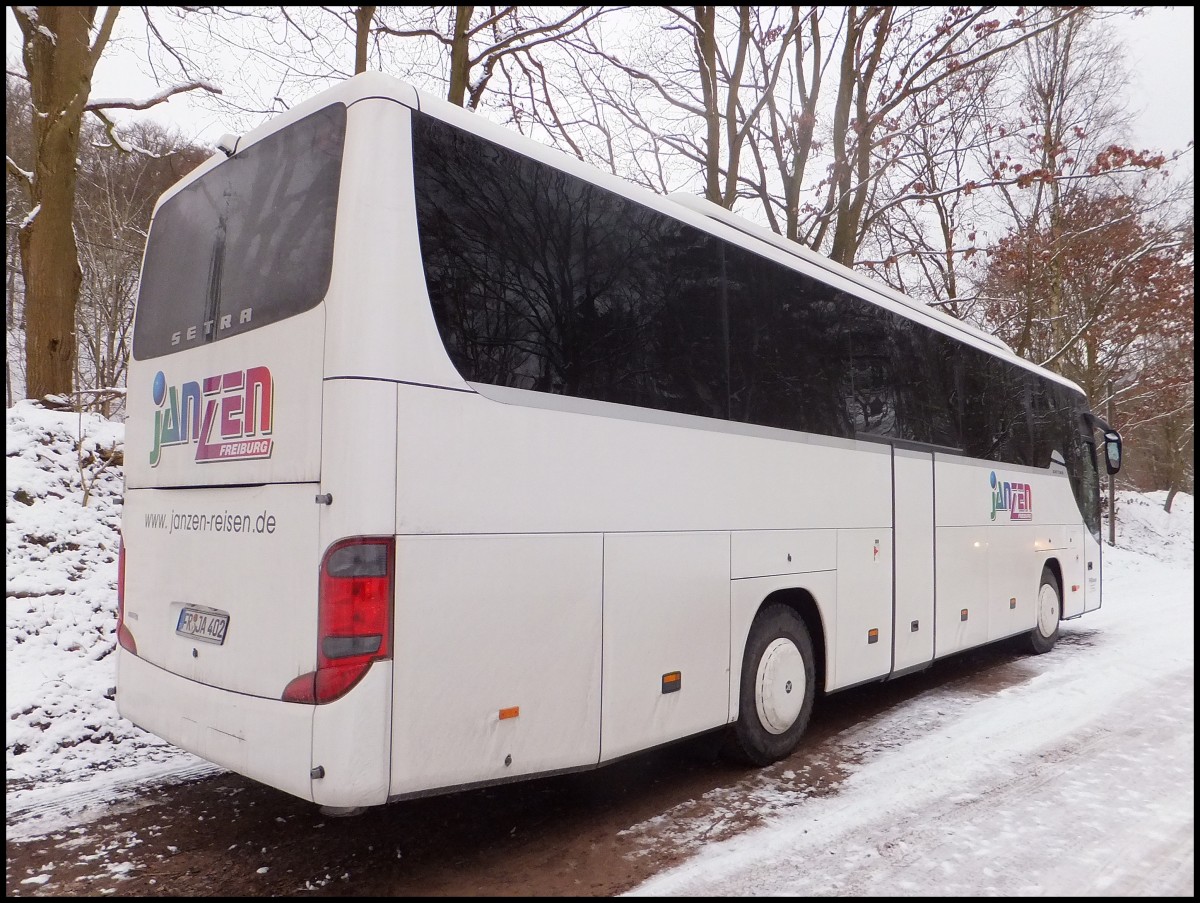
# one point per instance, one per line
(706, 61)
(460, 55)
(362, 35)
(855, 166)
(58, 61)
(50, 261)
(842, 171)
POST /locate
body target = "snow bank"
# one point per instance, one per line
(61, 596)
(1143, 526)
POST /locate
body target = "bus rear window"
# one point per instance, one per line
(248, 243)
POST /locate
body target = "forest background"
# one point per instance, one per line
(977, 158)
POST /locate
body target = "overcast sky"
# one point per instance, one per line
(1161, 48)
(1162, 59)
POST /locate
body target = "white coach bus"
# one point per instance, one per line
(452, 461)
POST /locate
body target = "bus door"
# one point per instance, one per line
(912, 526)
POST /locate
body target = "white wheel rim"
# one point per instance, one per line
(780, 686)
(1047, 610)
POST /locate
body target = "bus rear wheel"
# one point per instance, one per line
(777, 689)
(1049, 609)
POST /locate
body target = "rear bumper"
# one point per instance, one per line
(270, 741)
(267, 740)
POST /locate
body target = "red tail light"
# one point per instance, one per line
(354, 618)
(124, 637)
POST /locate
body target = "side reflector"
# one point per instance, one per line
(512, 712)
(672, 682)
(962, 615)
(1012, 603)
(873, 635)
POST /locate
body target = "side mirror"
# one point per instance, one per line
(1112, 451)
(227, 144)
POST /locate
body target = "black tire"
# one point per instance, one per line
(1049, 612)
(771, 720)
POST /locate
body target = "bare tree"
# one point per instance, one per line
(62, 45)
(473, 42)
(694, 81)
(454, 51)
(1067, 140)
(822, 103)
(786, 140)
(116, 195)
(17, 134)
(990, 148)
(923, 243)
(891, 56)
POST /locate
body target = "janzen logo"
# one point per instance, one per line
(1015, 498)
(228, 417)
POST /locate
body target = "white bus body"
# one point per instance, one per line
(523, 580)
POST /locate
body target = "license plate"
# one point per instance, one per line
(205, 625)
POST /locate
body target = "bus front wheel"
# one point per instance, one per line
(1049, 609)
(777, 688)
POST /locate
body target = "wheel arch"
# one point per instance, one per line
(1055, 568)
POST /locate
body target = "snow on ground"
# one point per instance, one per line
(60, 611)
(1078, 778)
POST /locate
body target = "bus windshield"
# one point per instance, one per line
(248, 243)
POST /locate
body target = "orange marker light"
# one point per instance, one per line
(510, 712)
(672, 681)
